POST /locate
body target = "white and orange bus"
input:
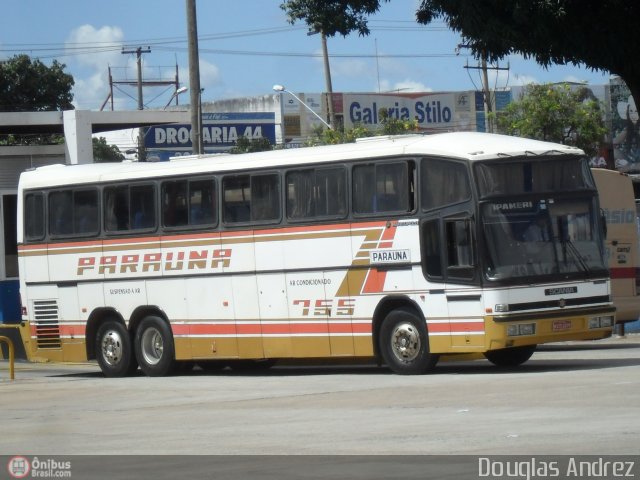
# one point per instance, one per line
(619, 206)
(399, 249)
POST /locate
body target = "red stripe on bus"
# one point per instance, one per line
(311, 328)
(623, 272)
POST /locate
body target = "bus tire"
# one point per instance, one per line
(154, 347)
(113, 350)
(404, 343)
(510, 357)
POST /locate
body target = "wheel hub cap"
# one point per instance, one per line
(112, 348)
(405, 342)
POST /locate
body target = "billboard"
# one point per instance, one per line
(625, 127)
(220, 131)
(449, 111)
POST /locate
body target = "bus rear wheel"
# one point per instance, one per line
(510, 357)
(154, 347)
(113, 350)
(404, 343)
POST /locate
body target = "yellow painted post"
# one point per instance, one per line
(11, 356)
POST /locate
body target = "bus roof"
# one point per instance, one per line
(462, 145)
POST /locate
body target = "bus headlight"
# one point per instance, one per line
(521, 329)
(601, 322)
(501, 308)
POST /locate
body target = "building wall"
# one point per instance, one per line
(13, 161)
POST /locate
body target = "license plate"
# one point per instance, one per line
(560, 325)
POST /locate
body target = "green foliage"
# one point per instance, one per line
(394, 126)
(247, 145)
(327, 136)
(599, 34)
(31, 139)
(332, 16)
(31, 86)
(103, 152)
(556, 113)
(390, 126)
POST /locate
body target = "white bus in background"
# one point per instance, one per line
(618, 204)
(398, 249)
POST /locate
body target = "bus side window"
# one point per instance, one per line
(202, 202)
(316, 192)
(60, 213)
(386, 187)
(331, 192)
(300, 187)
(143, 212)
(443, 183)
(85, 212)
(459, 248)
(265, 197)
(364, 189)
(117, 208)
(236, 199)
(431, 248)
(34, 216)
(174, 203)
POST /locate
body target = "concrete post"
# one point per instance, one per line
(77, 133)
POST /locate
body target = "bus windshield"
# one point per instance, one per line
(554, 236)
(532, 230)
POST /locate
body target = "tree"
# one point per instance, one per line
(396, 126)
(31, 86)
(556, 113)
(390, 126)
(103, 152)
(600, 34)
(247, 145)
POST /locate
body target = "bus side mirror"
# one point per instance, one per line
(603, 220)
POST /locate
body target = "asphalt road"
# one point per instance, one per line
(575, 398)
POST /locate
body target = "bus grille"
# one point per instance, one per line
(46, 322)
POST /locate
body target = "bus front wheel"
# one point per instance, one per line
(510, 357)
(154, 347)
(404, 343)
(113, 350)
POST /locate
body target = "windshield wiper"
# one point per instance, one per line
(576, 253)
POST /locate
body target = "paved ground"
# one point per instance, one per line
(576, 398)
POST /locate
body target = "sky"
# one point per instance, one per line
(247, 46)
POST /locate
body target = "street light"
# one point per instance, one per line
(175, 95)
(281, 88)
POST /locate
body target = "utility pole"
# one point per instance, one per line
(327, 79)
(486, 91)
(194, 78)
(142, 154)
(138, 51)
(487, 94)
